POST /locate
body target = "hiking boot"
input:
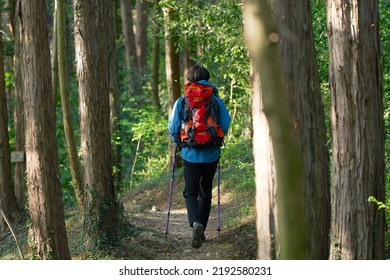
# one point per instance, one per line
(197, 231)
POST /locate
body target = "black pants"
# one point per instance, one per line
(197, 192)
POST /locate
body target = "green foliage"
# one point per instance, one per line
(148, 126)
(384, 24)
(237, 166)
(68, 194)
(218, 31)
(320, 37)
(112, 230)
(380, 204)
(385, 46)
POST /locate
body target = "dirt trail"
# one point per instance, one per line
(148, 209)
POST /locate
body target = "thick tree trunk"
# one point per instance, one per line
(90, 29)
(301, 82)
(357, 230)
(44, 190)
(266, 185)
(263, 42)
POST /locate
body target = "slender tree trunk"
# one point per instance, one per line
(263, 41)
(190, 49)
(20, 167)
(114, 99)
(155, 70)
(91, 33)
(357, 230)
(44, 190)
(172, 61)
(134, 79)
(71, 147)
(187, 62)
(301, 82)
(7, 195)
(172, 68)
(141, 26)
(11, 15)
(156, 60)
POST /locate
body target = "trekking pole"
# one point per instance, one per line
(219, 197)
(170, 191)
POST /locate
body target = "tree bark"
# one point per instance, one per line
(187, 62)
(91, 33)
(156, 60)
(172, 68)
(114, 99)
(357, 230)
(71, 147)
(267, 228)
(263, 43)
(134, 79)
(20, 167)
(141, 37)
(44, 190)
(7, 195)
(54, 58)
(301, 83)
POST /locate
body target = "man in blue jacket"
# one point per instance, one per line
(200, 165)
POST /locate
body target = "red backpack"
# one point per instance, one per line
(200, 128)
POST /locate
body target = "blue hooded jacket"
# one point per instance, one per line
(174, 127)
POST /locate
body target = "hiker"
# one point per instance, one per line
(200, 160)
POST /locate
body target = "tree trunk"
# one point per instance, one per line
(263, 42)
(114, 99)
(187, 63)
(134, 79)
(20, 167)
(54, 58)
(357, 230)
(7, 195)
(268, 247)
(156, 61)
(141, 26)
(172, 68)
(44, 190)
(301, 82)
(91, 33)
(71, 147)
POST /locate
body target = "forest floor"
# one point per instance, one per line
(147, 209)
(146, 212)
